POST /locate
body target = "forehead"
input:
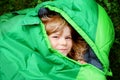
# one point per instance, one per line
(65, 31)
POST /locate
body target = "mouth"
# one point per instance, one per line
(62, 50)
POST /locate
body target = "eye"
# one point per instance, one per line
(55, 36)
(68, 37)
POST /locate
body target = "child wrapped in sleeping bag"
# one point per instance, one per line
(26, 52)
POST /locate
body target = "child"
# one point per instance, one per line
(62, 36)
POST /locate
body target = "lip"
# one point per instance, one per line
(62, 50)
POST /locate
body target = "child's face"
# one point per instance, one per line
(62, 41)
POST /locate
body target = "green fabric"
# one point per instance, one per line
(25, 51)
(79, 12)
(90, 73)
(103, 41)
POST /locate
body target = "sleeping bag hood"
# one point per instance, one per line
(26, 53)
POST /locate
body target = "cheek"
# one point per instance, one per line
(53, 43)
(70, 44)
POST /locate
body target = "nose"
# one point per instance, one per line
(63, 41)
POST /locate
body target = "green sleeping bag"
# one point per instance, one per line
(26, 54)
